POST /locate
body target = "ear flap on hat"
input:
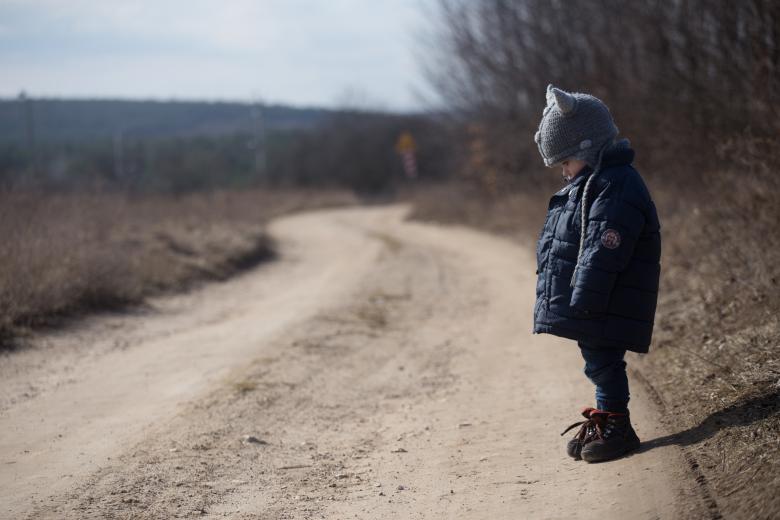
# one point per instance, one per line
(549, 95)
(565, 102)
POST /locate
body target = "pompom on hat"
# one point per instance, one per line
(574, 125)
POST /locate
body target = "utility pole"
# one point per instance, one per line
(119, 153)
(29, 120)
(258, 140)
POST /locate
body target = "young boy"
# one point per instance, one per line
(598, 261)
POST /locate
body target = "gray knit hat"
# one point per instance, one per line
(574, 125)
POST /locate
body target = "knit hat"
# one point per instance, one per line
(574, 125)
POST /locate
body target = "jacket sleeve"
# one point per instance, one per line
(615, 220)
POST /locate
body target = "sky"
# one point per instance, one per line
(301, 52)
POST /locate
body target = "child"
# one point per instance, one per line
(598, 261)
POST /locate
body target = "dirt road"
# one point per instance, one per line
(379, 369)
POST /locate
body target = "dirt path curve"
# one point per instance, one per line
(384, 369)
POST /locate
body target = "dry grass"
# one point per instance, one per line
(245, 386)
(513, 212)
(66, 254)
(715, 358)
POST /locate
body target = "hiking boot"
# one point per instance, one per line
(584, 434)
(613, 437)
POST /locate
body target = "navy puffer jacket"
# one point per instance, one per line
(611, 301)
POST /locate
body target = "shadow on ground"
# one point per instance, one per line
(739, 414)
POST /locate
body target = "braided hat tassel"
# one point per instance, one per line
(584, 214)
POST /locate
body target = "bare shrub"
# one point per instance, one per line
(66, 253)
(679, 76)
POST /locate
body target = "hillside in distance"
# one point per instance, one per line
(73, 121)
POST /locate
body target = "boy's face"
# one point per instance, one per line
(572, 167)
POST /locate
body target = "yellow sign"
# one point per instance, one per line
(405, 143)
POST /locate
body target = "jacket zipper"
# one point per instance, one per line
(548, 274)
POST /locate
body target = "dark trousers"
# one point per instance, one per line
(607, 371)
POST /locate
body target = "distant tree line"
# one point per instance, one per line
(683, 78)
(80, 120)
(338, 148)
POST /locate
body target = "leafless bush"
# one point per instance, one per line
(67, 253)
(678, 75)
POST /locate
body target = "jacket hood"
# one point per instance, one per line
(617, 154)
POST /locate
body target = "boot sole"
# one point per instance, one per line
(629, 449)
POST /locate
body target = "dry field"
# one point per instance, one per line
(714, 366)
(63, 254)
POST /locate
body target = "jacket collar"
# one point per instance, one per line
(618, 154)
(582, 174)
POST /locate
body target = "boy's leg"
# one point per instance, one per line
(606, 369)
(616, 437)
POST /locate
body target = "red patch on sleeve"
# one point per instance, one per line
(610, 238)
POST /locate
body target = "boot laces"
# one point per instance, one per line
(589, 428)
(598, 424)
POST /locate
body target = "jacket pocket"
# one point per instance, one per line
(588, 315)
(540, 241)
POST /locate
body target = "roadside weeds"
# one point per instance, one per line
(64, 255)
